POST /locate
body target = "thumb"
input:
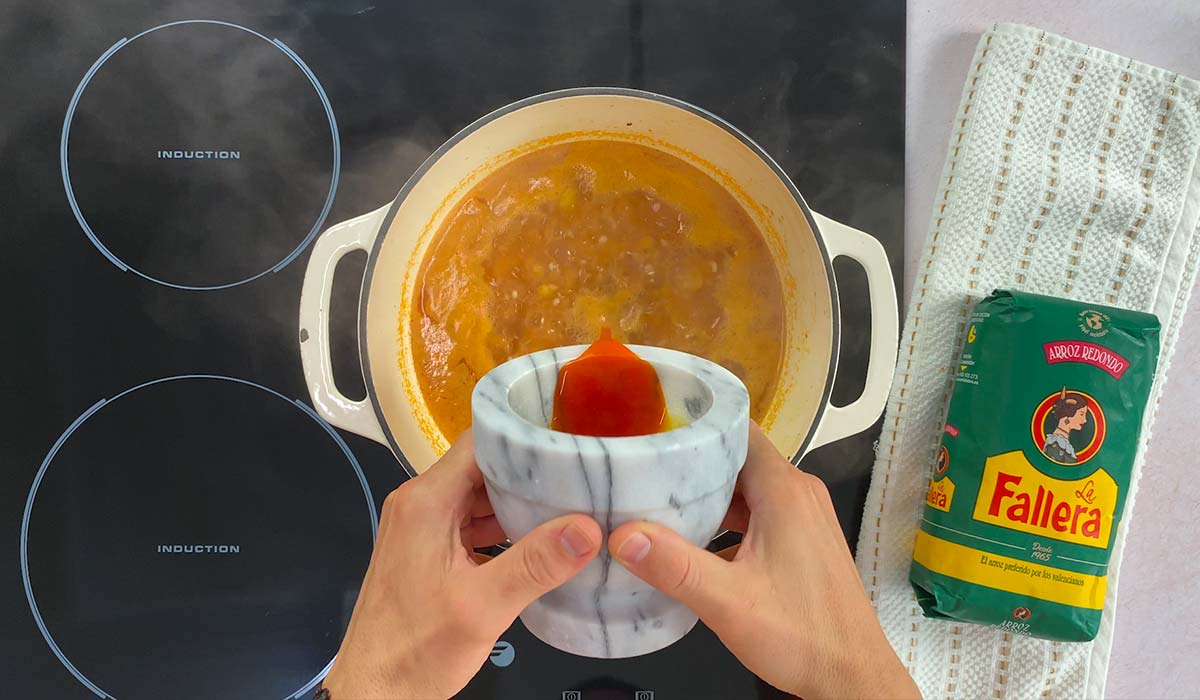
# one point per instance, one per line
(546, 558)
(664, 559)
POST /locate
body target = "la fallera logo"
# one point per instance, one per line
(1017, 496)
(1068, 427)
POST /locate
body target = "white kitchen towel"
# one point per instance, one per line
(1073, 172)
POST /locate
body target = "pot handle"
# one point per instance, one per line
(331, 246)
(838, 422)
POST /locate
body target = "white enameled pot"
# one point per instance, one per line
(397, 235)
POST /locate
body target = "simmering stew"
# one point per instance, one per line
(572, 237)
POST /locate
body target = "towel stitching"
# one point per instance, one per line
(1067, 103)
(1147, 171)
(1100, 195)
(957, 139)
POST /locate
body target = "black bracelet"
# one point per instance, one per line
(322, 694)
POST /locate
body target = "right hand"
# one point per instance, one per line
(790, 605)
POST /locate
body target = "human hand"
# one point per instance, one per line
(789, 605)
(427, 614)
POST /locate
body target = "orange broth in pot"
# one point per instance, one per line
(576, 236)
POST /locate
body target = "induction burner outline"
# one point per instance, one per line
(113, 258)
(62, 439)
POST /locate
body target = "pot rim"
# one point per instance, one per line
(373, 257)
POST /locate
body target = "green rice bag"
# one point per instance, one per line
(1034, 466)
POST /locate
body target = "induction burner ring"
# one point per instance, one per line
(113, 258)
(74, 426)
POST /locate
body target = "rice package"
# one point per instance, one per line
(1034, 466)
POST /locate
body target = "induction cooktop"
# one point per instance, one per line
(181, 522)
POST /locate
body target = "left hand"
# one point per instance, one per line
(427, 614)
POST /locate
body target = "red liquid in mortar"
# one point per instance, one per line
(609, 391)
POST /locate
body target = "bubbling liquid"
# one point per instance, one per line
(576, 236)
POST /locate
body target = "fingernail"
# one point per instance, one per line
(634, 548)
(576, 541)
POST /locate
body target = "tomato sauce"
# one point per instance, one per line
(609, 391)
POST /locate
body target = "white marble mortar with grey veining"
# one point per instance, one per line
(682, 478)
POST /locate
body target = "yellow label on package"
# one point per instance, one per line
(1015, 495)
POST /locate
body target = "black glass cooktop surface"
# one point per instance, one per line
(230, 134)
(188, 527)
(187, 489)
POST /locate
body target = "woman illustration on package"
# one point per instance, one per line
(1070, 413)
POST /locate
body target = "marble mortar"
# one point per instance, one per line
(683, 478)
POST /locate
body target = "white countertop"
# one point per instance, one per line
(1156, 651)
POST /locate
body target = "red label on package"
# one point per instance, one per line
(1087, 353)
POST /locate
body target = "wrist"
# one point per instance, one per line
(349, 684)
(862, 672)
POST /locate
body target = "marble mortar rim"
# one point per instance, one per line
(505, 375)
(730, 409)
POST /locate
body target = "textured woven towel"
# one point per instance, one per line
(1070, 171)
